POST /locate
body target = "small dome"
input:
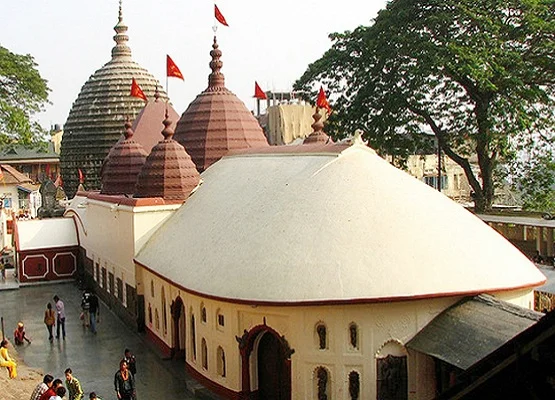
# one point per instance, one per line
(122, 165)
(318, 135)
(168, 172)
(94, 122)
(217, 121)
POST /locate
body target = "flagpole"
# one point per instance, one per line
(167, 90)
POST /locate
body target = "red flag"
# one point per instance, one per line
(258, 92)
(219, 16)
(81, 176)
(136, 90)
(47, 170)
(322, 101)
(172, 69)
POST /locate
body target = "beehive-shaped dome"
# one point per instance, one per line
(94, 122)
(217, 121)
(168, 172)
(122, 165)
(318, 136)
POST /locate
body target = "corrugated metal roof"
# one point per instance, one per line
(473, 328)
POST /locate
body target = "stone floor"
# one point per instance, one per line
(93, 358)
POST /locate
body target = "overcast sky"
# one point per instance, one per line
(271, 42)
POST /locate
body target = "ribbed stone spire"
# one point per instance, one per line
(96, 116)
(168, 172)
(217, 121)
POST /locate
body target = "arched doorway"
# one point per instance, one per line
(178, 328)
(266, 364)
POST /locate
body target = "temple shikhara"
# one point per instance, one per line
(310, 271)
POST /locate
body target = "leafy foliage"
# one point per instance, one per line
(479, 75)
(22, 94)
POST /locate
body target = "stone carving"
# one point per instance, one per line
(50, 207)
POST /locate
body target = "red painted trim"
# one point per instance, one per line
(215, 387)
(368, 300)
(160, 344)
(131, 201)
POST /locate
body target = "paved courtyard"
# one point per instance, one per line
(94, 359)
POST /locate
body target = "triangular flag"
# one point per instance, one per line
(81, 176)
(136, 90)
(219, 16)
(172, 69)
(322, 101)
(1, 173)
(59, 181)
(258, 92)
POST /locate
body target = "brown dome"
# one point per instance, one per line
(148, 124)
(217, 121)
(122, 165)
(318, 135)
(168, 171)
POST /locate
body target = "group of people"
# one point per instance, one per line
(90, 310)
(54, 389)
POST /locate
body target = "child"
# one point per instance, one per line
(19, 334)
(93, 396)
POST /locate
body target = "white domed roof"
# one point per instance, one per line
(328, 227)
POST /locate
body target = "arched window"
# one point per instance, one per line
(322, 336)
(354, 385)
(204, 350)
(152, 288)
(193, 337)
(322, 383)
(156, 319)
(221, 362)
(202, 313)
(353, 335)
(149, 314)
(392, 372)
(164, 312)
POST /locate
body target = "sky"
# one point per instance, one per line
(271, 42)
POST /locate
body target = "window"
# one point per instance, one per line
(204, 350)
(103, 278)
(119, 288)
(193, 337)
(149, 314)
(221, 362)
(156, 319)
(111, 282)
(432, 181)
(322, 384)
(221, 320)
(321, 334)
(202, 313)
(151, 288)
(164, 312)
(97, 272)
(353, 335)
(354, 385)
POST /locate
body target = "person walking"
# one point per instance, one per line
(124, 383)
(73, 386)
(42, 387)
(61, 317)
(85, 306)
(6, 360)
(49, 320)
(129, 358)
(94, 311)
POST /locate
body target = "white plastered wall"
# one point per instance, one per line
(378, 324)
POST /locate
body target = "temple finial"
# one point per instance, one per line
(167, 132)
(121, 49)
(216, 78)
(128, 130)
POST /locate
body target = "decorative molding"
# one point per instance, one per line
(64, 254)
(36, 276)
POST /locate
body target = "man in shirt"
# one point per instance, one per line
(42, 387)
(61, 316)
(94, 311)
(73, 386)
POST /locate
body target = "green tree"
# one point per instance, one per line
(22, 94)
(479, 75)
